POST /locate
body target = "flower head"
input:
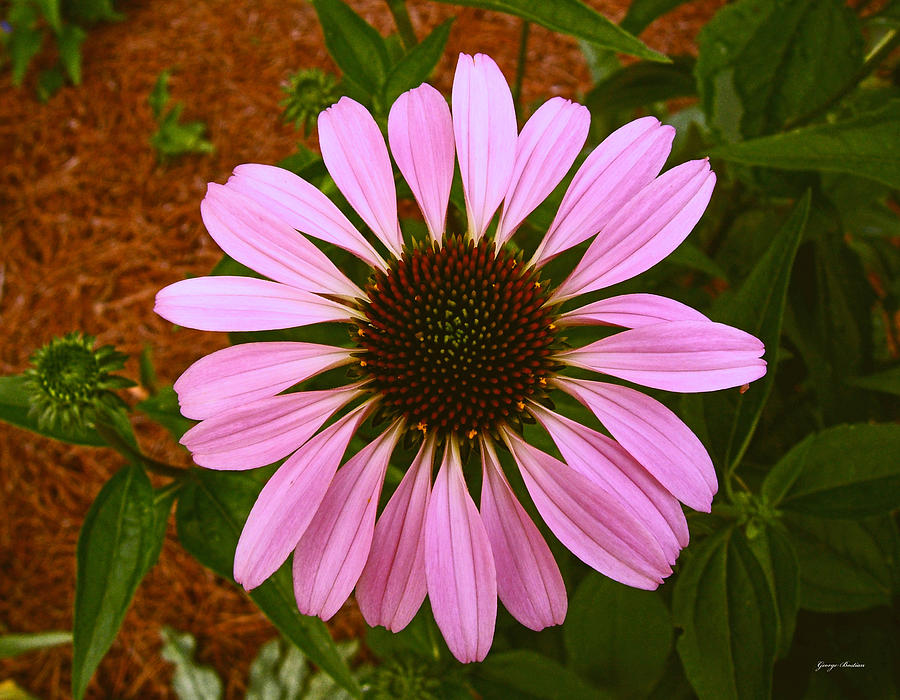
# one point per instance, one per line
(457, 341)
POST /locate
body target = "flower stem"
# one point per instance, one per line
(404, 24)
(115, 440)
(879, 52)
(520, 65)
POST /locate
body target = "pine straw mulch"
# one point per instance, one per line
(91, 226)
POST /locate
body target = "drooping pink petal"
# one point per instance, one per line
(654, 436)
(630, 311)
(392, 586)
(303, 207)
(605, 462)
(357, 158)
(646, 229)
(331, 554)
(459, 566)
(243, 304)
(289, 500)
(548, 145)
(254, 237)
(627, 160)
(263, 431)
(594, 526)
(528, 579)
(484, 123)
(239, 374)
(420, 131)
(686, 356)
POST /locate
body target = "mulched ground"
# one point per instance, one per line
(91, 226)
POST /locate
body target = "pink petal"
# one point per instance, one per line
(332, 552)
(289, 501)
(392, 586)
(649, 227)
(630, 311)
(303, 207)
(459, 567)
(243, 304)
(357, 158)
(654, 436)
(686, 356)
(484, 122)
(528, 579)
(420, 131)
(263, 242)
(263, 431)
(605, 462)
(627, 160)
(594, 526)
(239, 374)
(548, 145)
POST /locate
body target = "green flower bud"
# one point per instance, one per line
(70, 381)
(309, 92)
(402, 681)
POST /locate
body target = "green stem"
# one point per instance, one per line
(404, 24)
(124, 448)
(879, 52)
(522, 62)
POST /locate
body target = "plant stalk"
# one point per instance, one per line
(403, 23)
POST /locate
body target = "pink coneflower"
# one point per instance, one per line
(457, 342)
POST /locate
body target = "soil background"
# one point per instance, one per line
(92, 226)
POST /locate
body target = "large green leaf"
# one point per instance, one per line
(23, 45)
(757, 307)
(15, 409)
(723, 603)
(642, 84)
(527, 675)
(845, 564)
(642, 12)
(776, 555)
(571, 17)
(15, 644)
(849, 471)
(765, 62)
(354, 44)
(69, 43)
(211, 512)
(617, 636)
(867, 145)
(887, 381)
(416, 66)
(120, 540)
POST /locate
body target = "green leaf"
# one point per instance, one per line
(354, 44)
(849, 471)
(190, 680)
(642, 12)
(844, 564)
(887, 381)
(15, 409)
(765, 62)
(49, 82)
(69, 43)
(723, 603)
(617, 636)
(15, 644)
(159, 95)
(211, 512)
(120, 540)
(24, 43)
(642, 84)
(50, 10)
(526, 674)
(867, 145)
(90, 11)
(571, 17)
(277, 673)
(417, 65)
(163, 408)
(776, 555)
(758, 308)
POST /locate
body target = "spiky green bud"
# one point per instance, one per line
(70, 381)
(308, 91)
(402, 681)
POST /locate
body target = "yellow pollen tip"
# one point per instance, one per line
(521, 405)
(423, 426)
(363, 363)
(552, 326)
(543, 381)
(360, 331)
(537, 285)
(471, 434)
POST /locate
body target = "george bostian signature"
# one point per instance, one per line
(828, 668)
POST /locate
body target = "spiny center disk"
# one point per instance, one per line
(457, 337)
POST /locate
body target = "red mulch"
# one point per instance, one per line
(91, 226)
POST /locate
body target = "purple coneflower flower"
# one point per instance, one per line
(457, 342)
